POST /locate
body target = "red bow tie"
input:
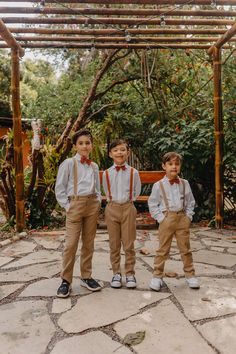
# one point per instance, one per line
(85, 160)
(120, 167)
(175, 180)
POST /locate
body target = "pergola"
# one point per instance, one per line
(126, 24)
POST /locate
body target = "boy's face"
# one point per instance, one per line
(84, 145)
(172, 168)
(119, 154)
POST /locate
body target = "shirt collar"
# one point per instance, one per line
(114, 165)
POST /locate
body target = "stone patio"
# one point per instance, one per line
(175, 320)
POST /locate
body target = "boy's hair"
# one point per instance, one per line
(80, 133)
(116, 142)
(171, 156)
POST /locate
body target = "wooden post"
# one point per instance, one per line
(17, 136)
(219, 135)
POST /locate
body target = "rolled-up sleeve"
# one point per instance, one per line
(61, 185)
(189, 201)
(154, 204)
(97, 182)
(137, 185)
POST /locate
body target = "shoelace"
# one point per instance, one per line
(116, 277)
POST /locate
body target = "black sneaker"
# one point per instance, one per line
(90, 284)
(64, 289)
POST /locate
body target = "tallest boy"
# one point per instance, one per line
(78, 191)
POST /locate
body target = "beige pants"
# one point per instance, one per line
(121, 226)
(82, 215)
(174, 224)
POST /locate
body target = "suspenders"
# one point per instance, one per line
(130, 185)
(165, 197)
(75, 170)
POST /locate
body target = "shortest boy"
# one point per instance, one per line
(122, 186)
(171, 203)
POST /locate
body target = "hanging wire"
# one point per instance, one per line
(163, 46)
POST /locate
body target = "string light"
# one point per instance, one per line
(127, 36)
(162, 21)
(213, 3)
(86, 22)
(92, 49)
(41, 5)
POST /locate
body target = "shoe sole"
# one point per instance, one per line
(116, 286)
(129, 286)
(194, 287)
(154, 288)
(89, 288)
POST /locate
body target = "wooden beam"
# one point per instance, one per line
(219, 137)
(117, 21)
(9, 39)
(114, 45)
(138, 2)
(113, 31)
(17, 137)
(132, 39)
(224, 39)
(115, 11)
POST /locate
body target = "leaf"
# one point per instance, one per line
(134, 338)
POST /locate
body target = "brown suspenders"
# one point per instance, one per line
(165, 197)
(130, 186)
(75, 170)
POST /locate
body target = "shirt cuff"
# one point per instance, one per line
(67, 207)
(160, 217)
(190, 217)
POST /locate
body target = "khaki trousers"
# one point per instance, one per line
(175, 223)
(121, 226)
(82, 215)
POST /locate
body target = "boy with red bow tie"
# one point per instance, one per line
(171, 203)
(78, 191)
(122, 186)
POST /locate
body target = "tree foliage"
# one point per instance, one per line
(159, 100)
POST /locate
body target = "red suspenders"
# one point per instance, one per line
(130, 186)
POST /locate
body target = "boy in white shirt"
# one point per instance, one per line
(78, 191)
(122, 186)
(171, 203)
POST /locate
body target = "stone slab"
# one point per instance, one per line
(232, 250)
(25, 327)
(166, 330)
(31, 272)
(212, 257)
(90, 343)
(48, 287)
(101, 268)
(216, 297)
(6, 290)
(61, 305)
(218, 249)
(5, 260)
(208, 233)
(217, 243)
(18, 249)
(48, 242)
(221, 334)
(41, 256)
(105, 307)
(201, 269)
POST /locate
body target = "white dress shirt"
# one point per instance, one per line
(174, 196)
(88, 181)
(120, 184)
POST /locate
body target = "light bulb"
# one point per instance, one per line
(162, 21)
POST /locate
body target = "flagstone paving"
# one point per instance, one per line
(174, 320)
